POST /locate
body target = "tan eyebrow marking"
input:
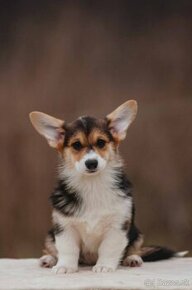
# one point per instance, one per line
(79, 136)
(97, 134)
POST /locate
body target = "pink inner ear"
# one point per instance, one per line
(55, 136)
(58, 139)
(113, 130)
(60, 134)
(118, 128)
(119, 125)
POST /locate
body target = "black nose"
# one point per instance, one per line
(91, 164)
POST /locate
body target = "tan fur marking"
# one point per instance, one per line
(88, 258)
(135, 249)
(147, 250)
(50, 248)
(102, 152)
(91, 140)
(79, 136)
(97, 134)
(77, 155)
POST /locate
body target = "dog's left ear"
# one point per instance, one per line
(120, 119)
(49, 127)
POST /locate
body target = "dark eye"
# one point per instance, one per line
(77, 145)
(101, 143)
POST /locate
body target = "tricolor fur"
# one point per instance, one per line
(93, 210)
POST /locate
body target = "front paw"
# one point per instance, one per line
(103, 269)
(63, 269)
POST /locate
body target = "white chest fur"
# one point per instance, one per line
(103, 208)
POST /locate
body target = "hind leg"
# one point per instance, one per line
(132, 257)
(133, 261)
(47, 261)
(50, 258)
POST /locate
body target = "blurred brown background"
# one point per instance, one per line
(70, 58)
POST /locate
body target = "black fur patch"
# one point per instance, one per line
(123, 183)
(66, 201)
(56, 230)
(51, 235)
(133, 234)
(126, 187)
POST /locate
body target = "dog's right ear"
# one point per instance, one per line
(49, 127)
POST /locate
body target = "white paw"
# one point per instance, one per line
(133, 261)
(47, 261)
(102, 269)
(61, 269)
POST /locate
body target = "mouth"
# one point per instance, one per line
(91, 171)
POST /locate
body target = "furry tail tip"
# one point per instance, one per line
(181, 254)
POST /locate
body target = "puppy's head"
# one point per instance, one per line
(87, 144)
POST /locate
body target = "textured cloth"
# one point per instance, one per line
(26, 274)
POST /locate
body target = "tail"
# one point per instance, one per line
(157, 253)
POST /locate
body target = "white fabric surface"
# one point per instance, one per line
(26, 274)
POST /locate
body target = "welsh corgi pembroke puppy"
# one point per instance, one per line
(93, 209)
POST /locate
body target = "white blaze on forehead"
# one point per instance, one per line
(91, 155)
(81, 167)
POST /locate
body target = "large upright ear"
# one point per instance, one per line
(120, 119)
(49, 127)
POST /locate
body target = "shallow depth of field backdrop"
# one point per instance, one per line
(71, 58)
